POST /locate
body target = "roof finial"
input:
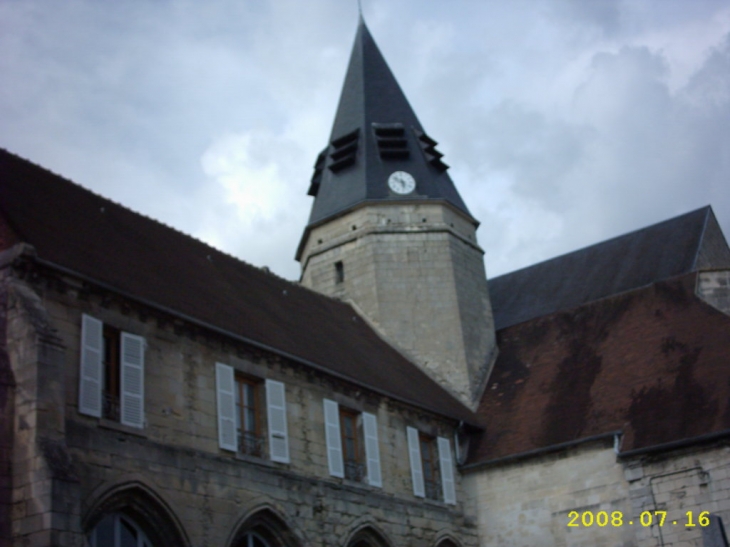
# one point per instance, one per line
(359, 8)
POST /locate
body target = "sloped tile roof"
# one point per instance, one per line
(677, 246)
(653, 363)
(78, 230)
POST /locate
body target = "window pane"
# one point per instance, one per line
(127, 535)
(349, 449)
(248, 395)
(250, 420)
(118, 531)
(105, 532)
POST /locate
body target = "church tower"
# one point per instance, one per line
(390, 233)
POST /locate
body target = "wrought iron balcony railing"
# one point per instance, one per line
(433, 490)
(251, 444)
(354, 471)
(111, 407)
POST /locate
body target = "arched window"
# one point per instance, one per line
(367, 537)
(265, 528)
(252, 539)
(117, 530)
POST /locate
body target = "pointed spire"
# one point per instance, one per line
(375, 133)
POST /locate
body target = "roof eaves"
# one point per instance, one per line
(674, 445)
(246, 340)
(538, 451)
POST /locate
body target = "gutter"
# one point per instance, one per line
(540, 451)
(706, 438)
(617, 436)
(29, 251)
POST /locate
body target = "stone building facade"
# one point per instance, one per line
(168, 476)
(157, 392)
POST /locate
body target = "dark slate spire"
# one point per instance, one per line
(375, 133)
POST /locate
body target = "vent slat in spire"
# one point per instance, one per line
(344, 151)
(317, 175)
(428, 147)
(391, 140)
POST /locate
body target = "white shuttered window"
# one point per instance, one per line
(276, 415)
(372, 449)
(91, 374)
(132, 380)
(446, 463)
(414, 452)
(106, 391)
(333, 438)
(225, 395)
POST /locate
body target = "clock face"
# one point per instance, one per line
(401, 182)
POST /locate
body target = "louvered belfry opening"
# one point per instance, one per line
(374, 134)
(344, 151)
(428, 146)
(317, 175)
(391, 141)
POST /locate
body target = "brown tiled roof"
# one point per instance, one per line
(653, 363)
(77, 230)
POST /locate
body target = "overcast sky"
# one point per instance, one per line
(565, 122)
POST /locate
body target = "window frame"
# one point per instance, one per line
(244, 446)
(111, 361)
(428, 447)
(228, 412)
(354, 467)
(432, 466)
(366, 467)
(111, 391)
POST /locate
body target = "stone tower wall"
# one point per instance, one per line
(416, 272)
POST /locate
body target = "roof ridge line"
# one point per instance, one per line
(603, 242)
(702, 237)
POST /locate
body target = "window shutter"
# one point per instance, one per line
(414, 451)
(446, 464)
(276, 415)
(334, 438)
(372, 449)
(225, 385)
(90, 370)
(132, 380)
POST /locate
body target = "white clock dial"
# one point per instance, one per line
(401, 182)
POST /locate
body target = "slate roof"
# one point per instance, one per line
(355, 170)
(74, 229)
(677, 246)
(652, 363)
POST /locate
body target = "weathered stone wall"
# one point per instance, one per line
(45, 504)
(7, 416)
(691, 480)
(529, 502)
(416, 272)
(203, 493)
